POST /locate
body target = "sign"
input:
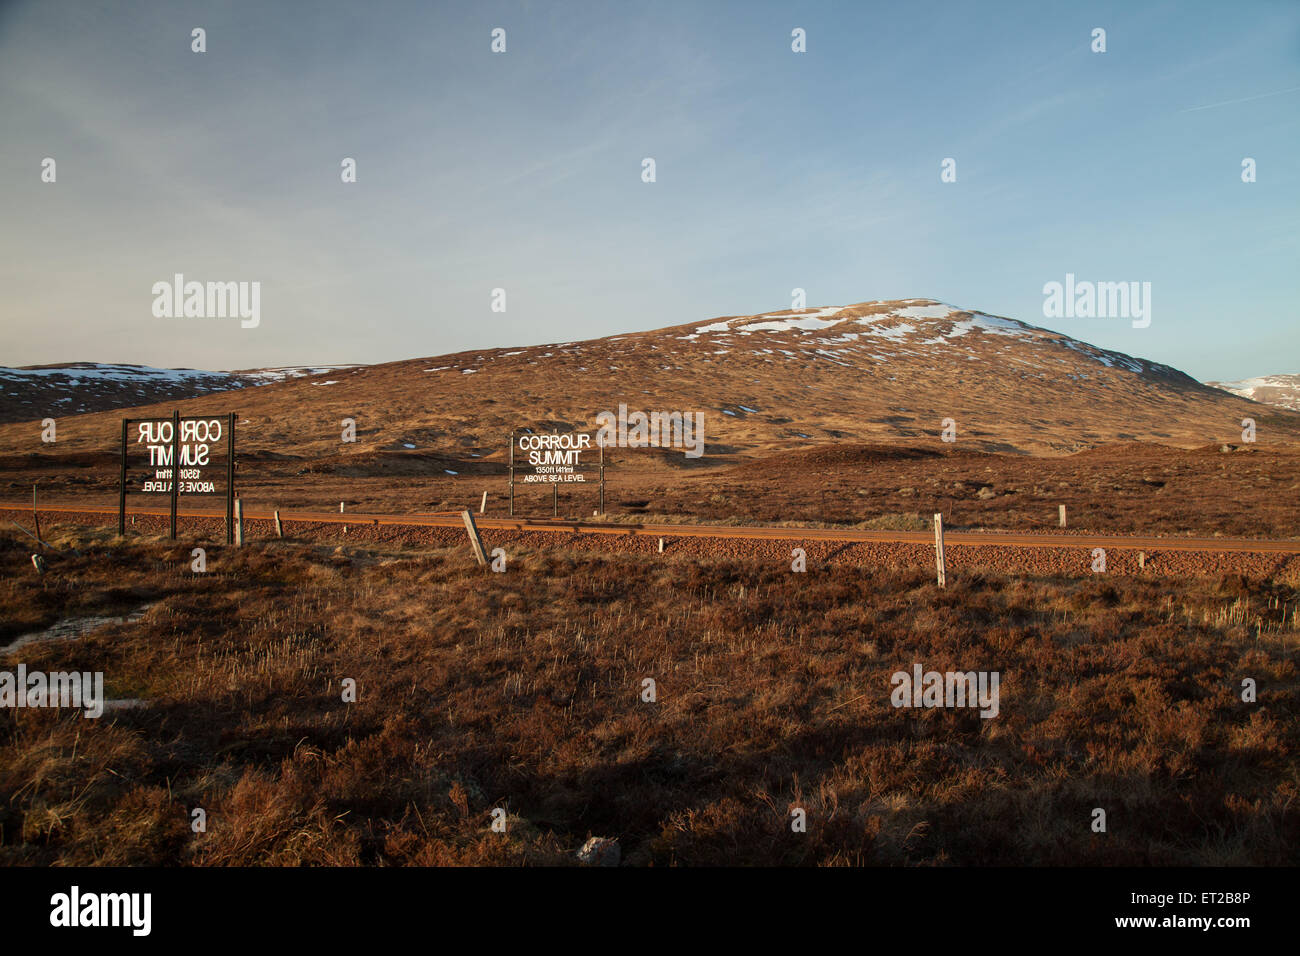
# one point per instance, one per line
(199, 438)
(181, 448)
(553, 458)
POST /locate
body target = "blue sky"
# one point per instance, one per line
(522, 170)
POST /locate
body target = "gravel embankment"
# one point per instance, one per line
(997, 559)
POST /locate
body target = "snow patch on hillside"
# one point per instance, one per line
(1280, 390)
(268, 375)
(85, 372)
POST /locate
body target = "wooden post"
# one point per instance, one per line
(483, 504)
(1142, 560)
(661, 545)
(555, 501)
(602, 479)
(1062, 516)
(512, 474)
(239, 522)
(475, 541)
(36, 519)
(940, 567)
(340, 507)
(279, 528)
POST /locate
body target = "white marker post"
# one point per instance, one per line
(940, 567)
(1062, 516)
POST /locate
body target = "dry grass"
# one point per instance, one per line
(521, 691)
(1126, 489)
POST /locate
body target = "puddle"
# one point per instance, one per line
(125, 703)
(75, 627)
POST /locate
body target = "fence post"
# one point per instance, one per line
(279, 528)
(555, 501)
(1062, 516)
(483, 504)
(239, 522)
(940, 567)
(475, 541)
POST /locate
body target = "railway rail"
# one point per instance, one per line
(739, 532)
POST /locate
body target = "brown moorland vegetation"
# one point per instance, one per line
(522, 691)
(1249, 490)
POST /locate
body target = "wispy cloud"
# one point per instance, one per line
(1244, 99)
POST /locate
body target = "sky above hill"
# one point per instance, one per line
(523, 170)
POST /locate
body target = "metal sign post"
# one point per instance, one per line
(121, 486)
(230, 479)
(176, 467)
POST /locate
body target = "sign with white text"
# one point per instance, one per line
(198, 450)
(178, 456)
(552, 458)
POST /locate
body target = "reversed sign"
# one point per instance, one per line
(197, 447)
(184, 448)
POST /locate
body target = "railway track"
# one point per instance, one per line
(554, 525)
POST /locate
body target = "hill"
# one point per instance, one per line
(1282, 391)
(76, 388)
(875, 372)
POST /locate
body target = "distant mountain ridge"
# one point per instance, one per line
(877, 372)
(42, 391)
(1282, 391)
